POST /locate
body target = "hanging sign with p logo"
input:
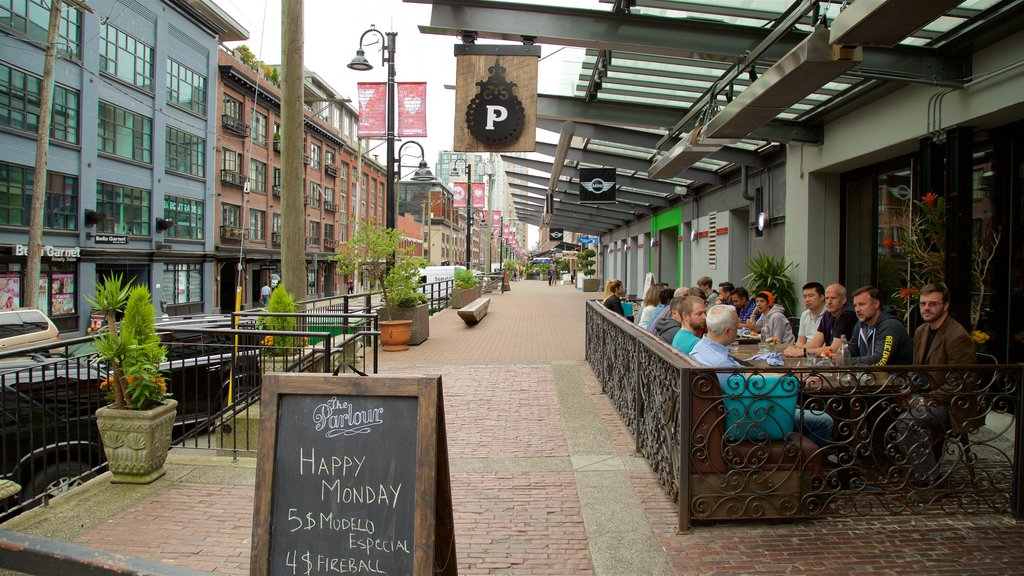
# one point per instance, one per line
(496, 98)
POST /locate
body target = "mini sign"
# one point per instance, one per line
(496, 98)
(119, 239)
(597, 185)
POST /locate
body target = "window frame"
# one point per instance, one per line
(185, 141)
(113, 126)
(179, 75)
(190, 222)
(114, 201)
(133, 50)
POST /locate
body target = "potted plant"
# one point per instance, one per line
(135, 428)
(466, 289)
(276, 348)
(382, 256)
(585, 262)
(773, 274)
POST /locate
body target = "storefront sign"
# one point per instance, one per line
(496, 98)
(110, 239)
(55, 253)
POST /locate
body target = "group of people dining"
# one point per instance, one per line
(702, 323)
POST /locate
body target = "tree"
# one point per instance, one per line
(585, 262)
(245, 54)
(381, 255)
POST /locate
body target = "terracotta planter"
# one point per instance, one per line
(395, 334)
(136, 441)
(420, 316)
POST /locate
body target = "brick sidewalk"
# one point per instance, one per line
(544, 481)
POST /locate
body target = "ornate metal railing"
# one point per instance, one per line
(755, 452)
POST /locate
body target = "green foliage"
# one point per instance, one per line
(774, 275)
(245, 54)
(376, 253)
(132, 349)
(272, 74)
(563, 264)
(585, 262)
(281, 302)
(465, 278)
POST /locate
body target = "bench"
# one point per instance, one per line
(475, 311)
(8, 488)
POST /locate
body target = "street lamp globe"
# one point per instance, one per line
(360, 62)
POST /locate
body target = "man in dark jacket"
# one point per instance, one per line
(666, 326)
(879, 338)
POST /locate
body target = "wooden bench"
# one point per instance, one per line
(475, 311)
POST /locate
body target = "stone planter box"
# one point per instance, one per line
(592, 285)
(463, 296)
(420, 316)
(136, 441)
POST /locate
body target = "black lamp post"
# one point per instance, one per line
(469, 208)
(360, 63)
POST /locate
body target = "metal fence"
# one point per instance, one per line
(438, 297)
(740, 443)
(51, 393)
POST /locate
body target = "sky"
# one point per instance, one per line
(332, 29)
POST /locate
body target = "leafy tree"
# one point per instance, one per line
(585, 262)
(245, 54)
(380, 254)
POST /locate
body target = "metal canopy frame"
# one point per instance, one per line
(652, 66)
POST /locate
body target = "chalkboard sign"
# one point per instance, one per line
(352, 477)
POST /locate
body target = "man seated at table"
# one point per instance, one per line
(725, 290)
(745, 307)
(837, 321)
(879, 338)
(813, 294)
(706, 285)
(713, 351)
(772, 321)
(693, 312)
(939, 341)
(666, 327)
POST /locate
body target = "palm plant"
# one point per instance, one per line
(774, 275)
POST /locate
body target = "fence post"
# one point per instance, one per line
(1017, 490)
(683, 423)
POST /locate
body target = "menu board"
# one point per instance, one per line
(352, 476)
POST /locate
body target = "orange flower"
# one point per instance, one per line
(268, 341)
(930, 198)
(163, 388)
(907, 293)
(826, 352)
(888, 242)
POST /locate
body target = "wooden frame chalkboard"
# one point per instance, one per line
(352, 477)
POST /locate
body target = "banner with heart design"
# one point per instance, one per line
(373, 120)
(459, 194)
(479, 199)
(412, 109)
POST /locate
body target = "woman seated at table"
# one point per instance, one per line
(773, 322)
(613, 290)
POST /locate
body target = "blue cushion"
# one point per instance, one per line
(760, 408)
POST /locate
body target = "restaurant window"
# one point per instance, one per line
(32, 18)
(126, 57)
(186, 153)
(259, 128)
(19, 105)
(182, 283)
(187, 215)
(61, 210)
(124, 209)
(257, 224)
(186, 87)
(257, 176)
(124, 133)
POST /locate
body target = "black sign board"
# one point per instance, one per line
(352, 477)
(110, 239)
(556, 234)
(597, 185)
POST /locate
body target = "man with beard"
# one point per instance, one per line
(693, 311)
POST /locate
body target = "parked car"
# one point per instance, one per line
(24, 327)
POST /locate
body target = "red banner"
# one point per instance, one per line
(412, 109)
(459, 194)
(479, 200)
(496, 219)
(373, 122)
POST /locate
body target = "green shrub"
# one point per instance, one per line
(465, 278)
(773, 274)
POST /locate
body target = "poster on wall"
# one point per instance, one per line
(10, 291)
(62, 294)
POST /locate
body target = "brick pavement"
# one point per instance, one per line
(544, 481)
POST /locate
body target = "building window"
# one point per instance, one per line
(257, 224)
(277, 177)
(329, 158)
(314, 194)
(19, 105)
(182, 283)
(125, 57)
(231, 215)
(276, 223)
(61, 210)
(187, 215)
(231, 172)
(185, 153)
(314, 233)
(257, 176)
(328, 232)
(125, 209)
(125, 134)
(232, 108)
(186, 87)
(314, 156)
(259, 128)
(32, 18)
(328, 194)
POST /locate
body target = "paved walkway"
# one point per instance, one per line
(544, 481)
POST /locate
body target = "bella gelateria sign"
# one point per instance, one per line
(496, 98)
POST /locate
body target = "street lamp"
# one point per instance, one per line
(361, 64)
(469, 207)
(422, 173)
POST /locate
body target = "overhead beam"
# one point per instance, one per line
(634, 201)
(575, 210)
(680, 37)
(663, 118)
(624, 163)
(617, 210)
(660, 189)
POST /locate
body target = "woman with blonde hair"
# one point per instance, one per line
(651, 301)
(613, 290)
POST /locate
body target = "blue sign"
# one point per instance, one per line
(589, 239)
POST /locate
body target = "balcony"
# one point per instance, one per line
(275, 238)
(276, 189)
(306, 159)
(330, 244)
(305, 199)
(277, 146)
(234, 125)
(330, 206)
(233, 178)
(312, 240)
(330, 170)
(231, 233)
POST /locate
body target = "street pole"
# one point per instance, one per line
(293, 211)
(390, 202)
(469, 216)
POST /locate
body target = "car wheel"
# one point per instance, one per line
(60, 478)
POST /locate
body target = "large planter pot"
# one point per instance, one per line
(463, 296)
(420, 317)
(136, 441)
(592, 285)
(395, 334)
